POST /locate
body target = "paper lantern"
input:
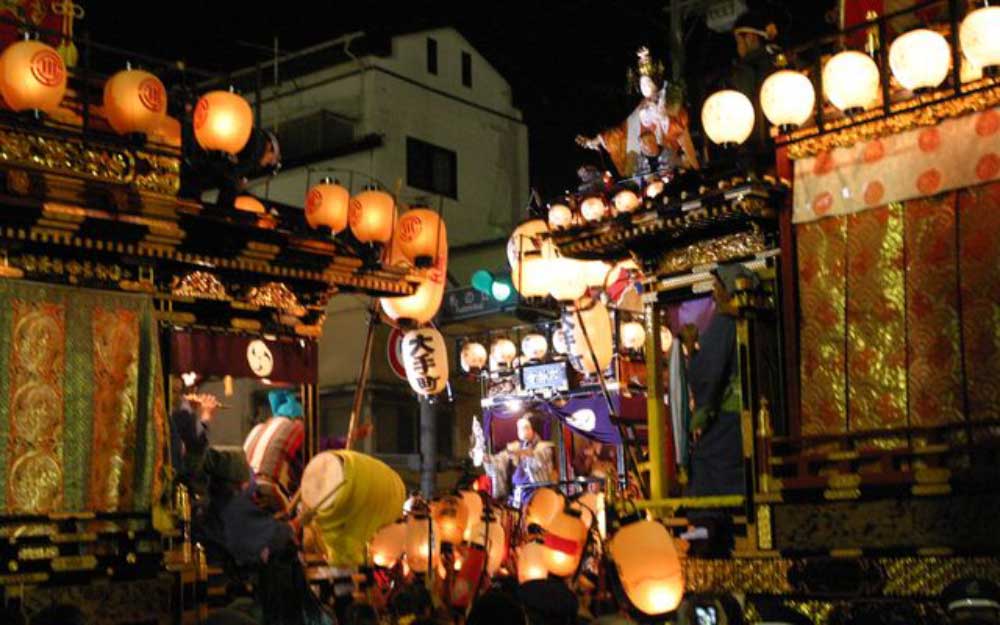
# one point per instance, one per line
(588, 505)
(525, 241)
(422, 548)
(490, 535)
(502, 353)
(980, 37)
(425, 359)
(420, 307)
(543, 506)
(32, 77)
(473, 357)
(648, 567)
(168, 132)
(564, 540)
(388, 544)
(560, 216)
(633, 335)
(654, 188)
(598, 323)
(222, 121)
(568, 281)
(451, 518)
(135, 101)
(534, 347)
(372, 215)
(727, 117)
(787, 99)
(594, 208)
(531, 563)
(666, 339)
(920, 59)
(851, 81)
(528, 253)
(327, 204)
(474, 510)
(626, 201)
(595, 272)
(249, 204)
(559, 342)
(422, 234)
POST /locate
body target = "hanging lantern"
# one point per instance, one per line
(568, 281)
(980, 40)
(473, 509)
(531, 563)
(489, 534)
(598, 323)
(372, 215)
(387, 545)
(564, 540)
(135, 101)
(588, 505)
(594, 208)
(421, 307)
(532, 276)
(327, 204)
(32, 77)
(425, 359)
(654, 188)
(168, 132)
(473, 357)
(727, 117)
(451, 518)
(560, 216)
(502, 353)
(787, 98)
(534, 347)
(648, 567)
(920, 59)
(851, 81)
(222, 121)
(422, 549)
(559, 342)
(543, 506)
(633, 336)
(666, 339)
(249, 204)
(528, 253)
(421, 235)
(595, 272)
(626, 201)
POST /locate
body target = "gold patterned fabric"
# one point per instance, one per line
(82, 426)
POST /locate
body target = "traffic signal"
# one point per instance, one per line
(497, 286)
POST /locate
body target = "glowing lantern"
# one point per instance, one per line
(502, 353)
(595, 272)
(787, 99)
(135, 101)
(451, 518)
(528, 256)
(559, 342)
(633, 335)
(372, 215)
(851, 81)
(564, 539)
(249, 204)
(543, 506)
(920, 59)
(531, 563)
(32, 76)
(568, 281)
(626, 201)
(421, 235)
(421, 547)
(388, 544)
(598, 327)
(594, 208)
(654, 188)
(534, 347)
(648, 567)
(560, 216)
(474, 510)
(490, 535)
(666, 339)
(168, 132)
(222, 121)
(588, 505)
(327, 204)
(425, 359)
(473, 357)
(420, 307)
(727, 117)
(980, 42)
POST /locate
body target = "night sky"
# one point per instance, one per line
(566, 61)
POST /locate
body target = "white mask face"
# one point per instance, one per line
(647, 86)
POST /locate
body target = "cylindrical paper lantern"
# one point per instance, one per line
(648, 567)
(388, 545)
(425, 359)
(598, 324)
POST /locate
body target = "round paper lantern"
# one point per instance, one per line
(473, 357)
(594, 208)
(532, 276)
(425, 359)
(920, 59)
(727, 117)
(568, 281)
(135, 101)
(595, 272)
(648, 567)
(626, 201)
(474, 510)
(32, 77)
(534, 347)
(560, 216)
(979, 37)
(559, 342)
(588, 504)
(249, 204)
(490, 535)
(544, 505)
(388, 544)
(168, 132)
(598, 323)
(565, 538)
(526, 241)
(851, 81)
(531, 562)
(502, 353)
(787, 99)
(654, 188)
(327, 204)
(528, 253)
(451, 518)
(633, 335)
(421, 235)
(222, 121)
(421, 547)
(372, 215)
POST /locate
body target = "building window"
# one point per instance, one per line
(431, 168)
(466, 69)
(313, 135)
(432, 56)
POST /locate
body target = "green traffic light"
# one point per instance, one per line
(482, 281)
(501, 290)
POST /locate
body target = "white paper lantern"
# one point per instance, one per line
(560, 216)
(980, 37)
(920, 59)
(388, 544)
(648, 567)
(633, 335)
(851, 81)
(531, 563)
(425, 358)
(595, 272)
(473, 357)
(626, 201)
(528, 253)
(787, 99)
(598, 327)
(559, 342)
(727, 117)
(594, 208)
(502, 353)
(654, 188)
(490, 535)
(568, 281)
(534, 347)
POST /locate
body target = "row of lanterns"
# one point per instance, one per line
(919, 60)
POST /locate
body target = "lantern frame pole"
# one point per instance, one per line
(655, 408)
(359, 390)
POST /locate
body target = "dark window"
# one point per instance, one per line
(431, 168)
(466, 69)
(313, 135)
(432, 56)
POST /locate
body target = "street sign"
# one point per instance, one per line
(394, 353)
(466, 303)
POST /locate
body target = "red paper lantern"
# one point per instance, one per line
(327, 204)
(32, 76)
(135, 101)
(222, 121)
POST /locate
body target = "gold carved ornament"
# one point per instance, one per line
(200, 284)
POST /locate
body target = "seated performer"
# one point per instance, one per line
(532, 459)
